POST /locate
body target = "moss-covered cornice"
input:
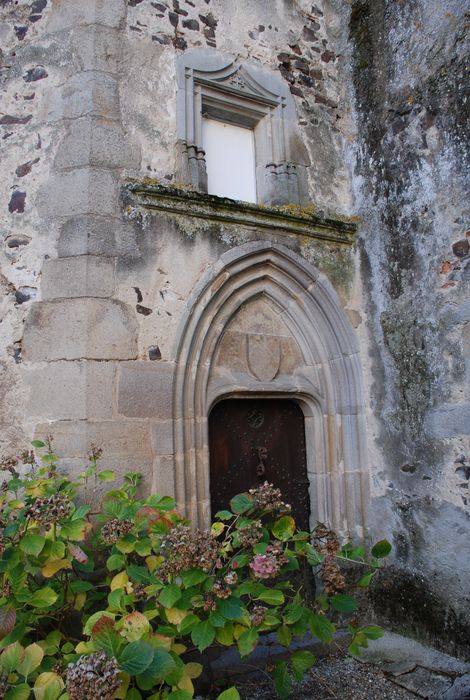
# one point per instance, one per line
(290, 219)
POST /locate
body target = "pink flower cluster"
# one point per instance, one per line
(264, 566)
(268, 565)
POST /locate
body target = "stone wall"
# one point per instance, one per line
(410, 84)
(95, 284)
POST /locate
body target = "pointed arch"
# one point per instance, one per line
(327, 383)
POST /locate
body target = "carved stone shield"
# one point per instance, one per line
(263, 356)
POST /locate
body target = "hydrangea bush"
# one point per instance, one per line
(115, 603)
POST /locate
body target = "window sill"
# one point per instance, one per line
(292, 219)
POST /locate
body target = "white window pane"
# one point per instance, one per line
(230, 160)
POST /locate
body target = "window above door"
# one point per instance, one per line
(237, 133)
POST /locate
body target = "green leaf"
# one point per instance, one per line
(224, 635)
(136, 657)
(247, 641)
(81, 586)
(240, 560)
(53, 550)
(381, 549)
(224, 515)
(73, 530)
(81, 512)
(294, 613)
(107, 475)
(7, 620)
(169, 595)
(38, 443)
(272, 596)
(231, 608)
(143, 547)
(321, 627)
(344, 603)
(180, 695)
(188, 624)
(241, 503)
(105, 636)
(133, 694)
(162, 502)
(48, 686)
(313, 557)
(203, 635)
(17, 633)
(114, 599)
(162, 665)
(178, 674)
(32, 544)
(33, 655)
(284, 528)
(365, 580)
(115, 562)
(301, 661)
(126, 544)
(373, 632)
(43, 598)
(359, 640)
(11, 657)
(229, 694)
(284, 635)
(281, 679)
(19, 692)
(193, 577)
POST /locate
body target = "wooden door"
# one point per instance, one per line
(257, 440)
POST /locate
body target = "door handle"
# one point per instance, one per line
(262, 453)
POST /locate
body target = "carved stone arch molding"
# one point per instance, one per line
(261, 299)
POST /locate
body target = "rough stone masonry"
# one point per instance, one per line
(130, 296)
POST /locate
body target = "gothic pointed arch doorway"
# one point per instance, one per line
(265, 323)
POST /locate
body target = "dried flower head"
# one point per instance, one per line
(114, 529)
(9, 464)
(50, 509)
(258, 615)
(93, 677)
(251, 534)
(4, 685)
(28, 457)
(95, 452)
(139, 591)
(331, 576)
(325, 540)
(6, 590)
(268, 498)
(209, 603)
(221, 590)
(231, 578)
(184, 549)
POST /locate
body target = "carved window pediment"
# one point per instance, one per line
(219, 87)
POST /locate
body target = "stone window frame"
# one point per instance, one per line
(218, 86)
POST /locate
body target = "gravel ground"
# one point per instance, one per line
(333, 677)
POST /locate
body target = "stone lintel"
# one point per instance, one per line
(290, 219)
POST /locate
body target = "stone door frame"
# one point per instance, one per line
(328, 385)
